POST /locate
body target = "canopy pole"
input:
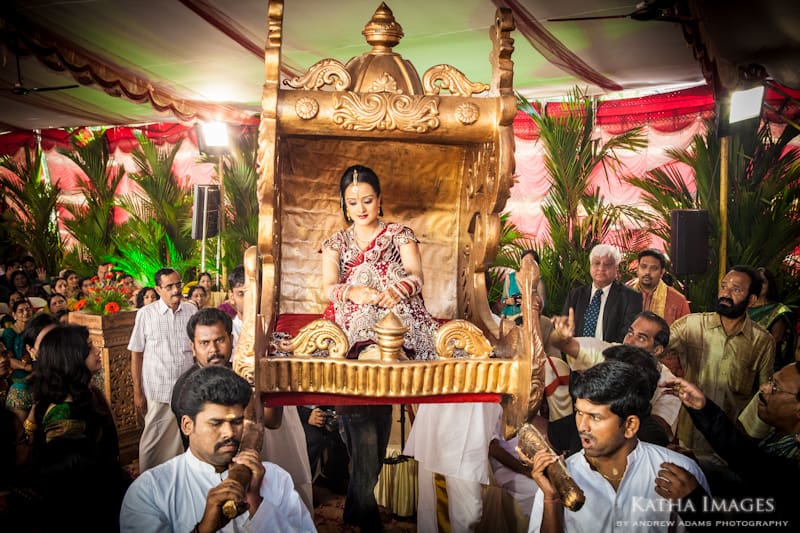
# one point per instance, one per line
(723, 207)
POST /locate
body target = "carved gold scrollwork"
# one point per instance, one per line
(321, 334)
(381, 111)
(462, 335)
(452, 79)
(328, 72)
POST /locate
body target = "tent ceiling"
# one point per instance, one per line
(189, 53)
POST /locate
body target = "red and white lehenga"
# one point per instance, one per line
(379, 266)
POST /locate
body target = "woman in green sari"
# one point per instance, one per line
(75, 447)
(775, 317)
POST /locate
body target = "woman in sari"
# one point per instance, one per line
(373, 267)
(512, 297)
(776, 318)
(369, 269)
(75, 447)
(18, 398)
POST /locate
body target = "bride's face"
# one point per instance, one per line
(362, 204)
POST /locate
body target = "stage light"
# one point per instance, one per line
(212, 138)
(746, 104)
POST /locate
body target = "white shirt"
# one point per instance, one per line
(160, 334)
(237, 329)
(634, 507)
(453, 439)
(172, 497)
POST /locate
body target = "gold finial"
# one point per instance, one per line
(382, 31)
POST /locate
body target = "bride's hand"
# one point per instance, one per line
(387, 299)
(363, 295)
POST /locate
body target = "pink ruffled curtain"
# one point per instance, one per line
(669, 121)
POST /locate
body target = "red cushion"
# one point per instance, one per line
(293, 323)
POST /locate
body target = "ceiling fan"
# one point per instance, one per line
(19, 88)
(658, 10)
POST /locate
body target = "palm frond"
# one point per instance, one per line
(30, 209)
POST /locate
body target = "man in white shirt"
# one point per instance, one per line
(236, 292)
(160, 353)
(188, 492)
(629, 485)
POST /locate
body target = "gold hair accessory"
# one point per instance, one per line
(355, 181)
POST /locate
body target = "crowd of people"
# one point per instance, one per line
(658, 410)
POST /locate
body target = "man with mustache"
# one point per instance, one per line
(649, 332)
(187, 493)
(160, 353)
(209, 332)
(657, 296)
(727, 355)
(626, 481)
(766, 464)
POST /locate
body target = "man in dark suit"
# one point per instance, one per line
(605, 308)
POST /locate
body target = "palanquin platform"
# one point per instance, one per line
(443, 147)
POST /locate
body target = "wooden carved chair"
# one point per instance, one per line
(446, 163)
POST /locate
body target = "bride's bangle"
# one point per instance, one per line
(338, 293)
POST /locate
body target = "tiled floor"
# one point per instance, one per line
(328, 515)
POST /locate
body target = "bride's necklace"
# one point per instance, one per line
(366, 241)
(615, 475)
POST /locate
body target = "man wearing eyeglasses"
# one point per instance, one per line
(768, 467)
(160, 353)
(727, 355)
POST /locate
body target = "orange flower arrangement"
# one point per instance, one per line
(107, 298)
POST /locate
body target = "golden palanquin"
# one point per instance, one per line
(446, 163)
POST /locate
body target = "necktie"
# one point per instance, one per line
(592, 312)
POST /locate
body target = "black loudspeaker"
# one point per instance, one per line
(688, 245)
(205, 212)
